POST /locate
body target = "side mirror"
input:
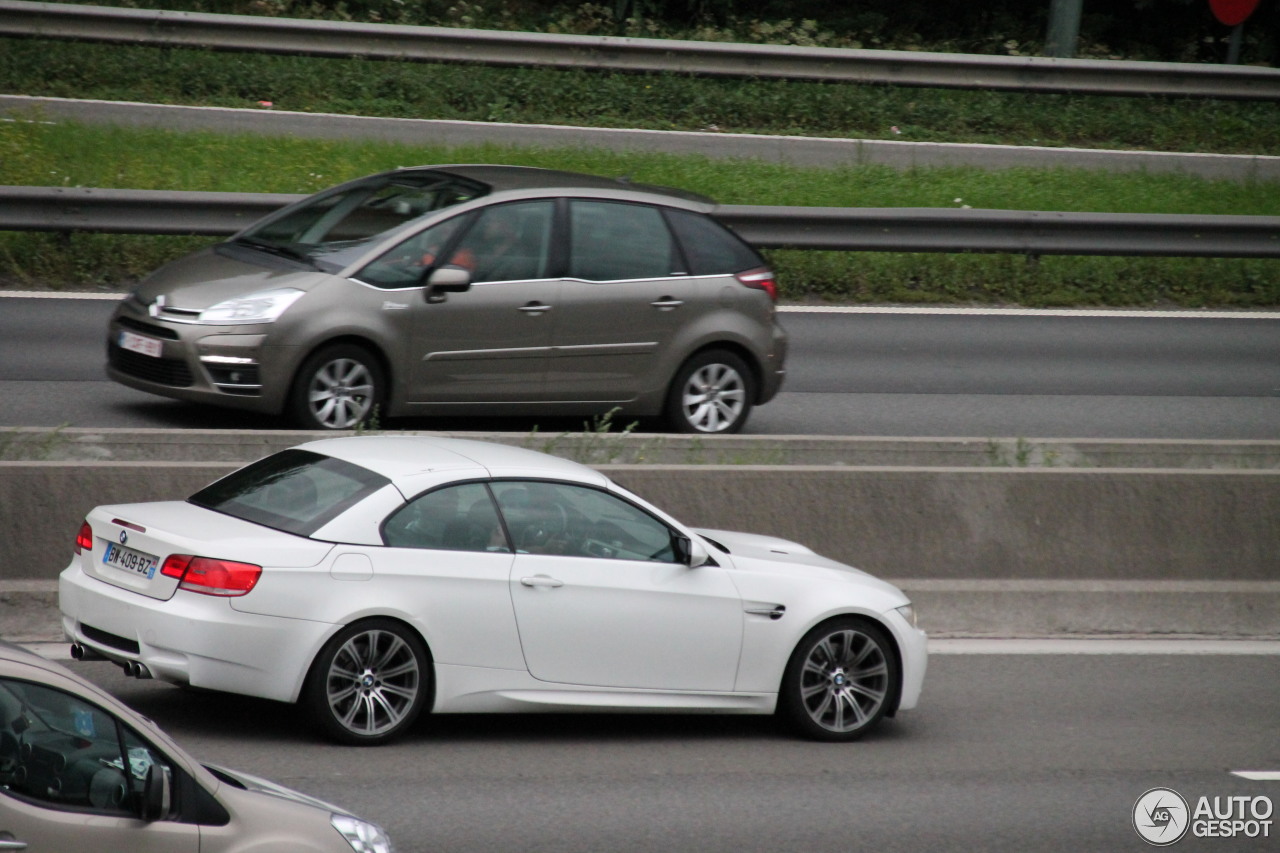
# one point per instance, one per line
(449, 278)
(690, 551)
(157, 794)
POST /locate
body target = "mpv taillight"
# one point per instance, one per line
(760, 278)
(84, 539)
(209, 576)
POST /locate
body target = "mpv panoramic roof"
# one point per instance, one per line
(500, 177)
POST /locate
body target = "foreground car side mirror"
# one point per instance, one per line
(449, 278)
(689, 551)
(157, 794)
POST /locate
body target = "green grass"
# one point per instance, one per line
(653, 101)
(41, 154)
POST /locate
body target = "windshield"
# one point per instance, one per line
(296, 491)
(331, 228)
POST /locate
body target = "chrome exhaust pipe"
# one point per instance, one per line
(140, 670)
(82, 652)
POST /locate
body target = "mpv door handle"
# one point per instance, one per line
(535, 308)
(666, 303)
(541, 580)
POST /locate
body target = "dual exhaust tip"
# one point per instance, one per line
(132, 668)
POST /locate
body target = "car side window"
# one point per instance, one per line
(404, 265)
(579, 521)
(614, 241)
(508, 242)
(63, 752)
(457, 518)
(711, 248)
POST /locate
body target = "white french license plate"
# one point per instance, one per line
(120, 557)
(138, 343)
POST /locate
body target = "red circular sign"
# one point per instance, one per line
(1232, 12)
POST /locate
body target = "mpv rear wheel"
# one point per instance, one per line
(712, 393)
(338, 387)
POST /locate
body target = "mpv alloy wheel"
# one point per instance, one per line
(712, 393)
(338, 387)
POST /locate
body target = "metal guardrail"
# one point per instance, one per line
(490, 47)
(892, 229)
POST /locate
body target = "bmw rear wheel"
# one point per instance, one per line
(840, 680)
(712, 394)
(369, 683)
(338, 387)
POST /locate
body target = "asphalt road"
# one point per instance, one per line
(1025, 752)
(869, 374)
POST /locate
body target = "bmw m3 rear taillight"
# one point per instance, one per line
(84, 539)
(209, 576)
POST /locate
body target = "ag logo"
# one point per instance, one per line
(1161, 816)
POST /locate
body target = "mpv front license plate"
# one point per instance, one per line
(137, 343)
(120, 557)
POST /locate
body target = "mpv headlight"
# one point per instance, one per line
(265, 306)
(364, 837)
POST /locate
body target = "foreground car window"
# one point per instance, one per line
(296, 491)
(458, 518)
(58, 749)
(575, 521)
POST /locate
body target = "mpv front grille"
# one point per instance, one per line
(162, 371)
(106, 638)
(147, 328)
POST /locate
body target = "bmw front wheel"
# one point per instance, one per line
(840, 680)
(712, 394)
(369, 683)
(338, 387)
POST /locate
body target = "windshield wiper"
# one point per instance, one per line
(278, 249)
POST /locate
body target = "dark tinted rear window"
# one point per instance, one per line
(296, 491)
(710, 248)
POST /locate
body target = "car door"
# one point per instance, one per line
(64, 783)
(601, 598)
(625, 297)
(489, 343)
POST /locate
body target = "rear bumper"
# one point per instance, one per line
(191, 638)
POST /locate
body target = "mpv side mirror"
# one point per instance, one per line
(449, 278)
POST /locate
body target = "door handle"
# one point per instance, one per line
(11, 843)
(541, 580)
(535, 308)
(666, 303)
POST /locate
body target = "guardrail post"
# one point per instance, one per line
(1064, 28)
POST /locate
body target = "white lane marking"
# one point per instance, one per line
(1101, 646)
(858, 309)
(1258, 775)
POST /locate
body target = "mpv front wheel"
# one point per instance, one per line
(338, 387)
(713, 393)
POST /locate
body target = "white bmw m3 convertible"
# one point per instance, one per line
(371, 578)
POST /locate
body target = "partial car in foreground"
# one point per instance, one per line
(375, 577)
(445, 290)
(81, 771)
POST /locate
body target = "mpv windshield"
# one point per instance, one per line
(296, 491)
(330, 228)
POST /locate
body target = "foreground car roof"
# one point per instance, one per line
(403, 458)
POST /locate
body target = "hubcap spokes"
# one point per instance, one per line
(714, 398)
(373, 681)
(341, 394)
(844, 681)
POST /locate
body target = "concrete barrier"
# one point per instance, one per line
(986, 551)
